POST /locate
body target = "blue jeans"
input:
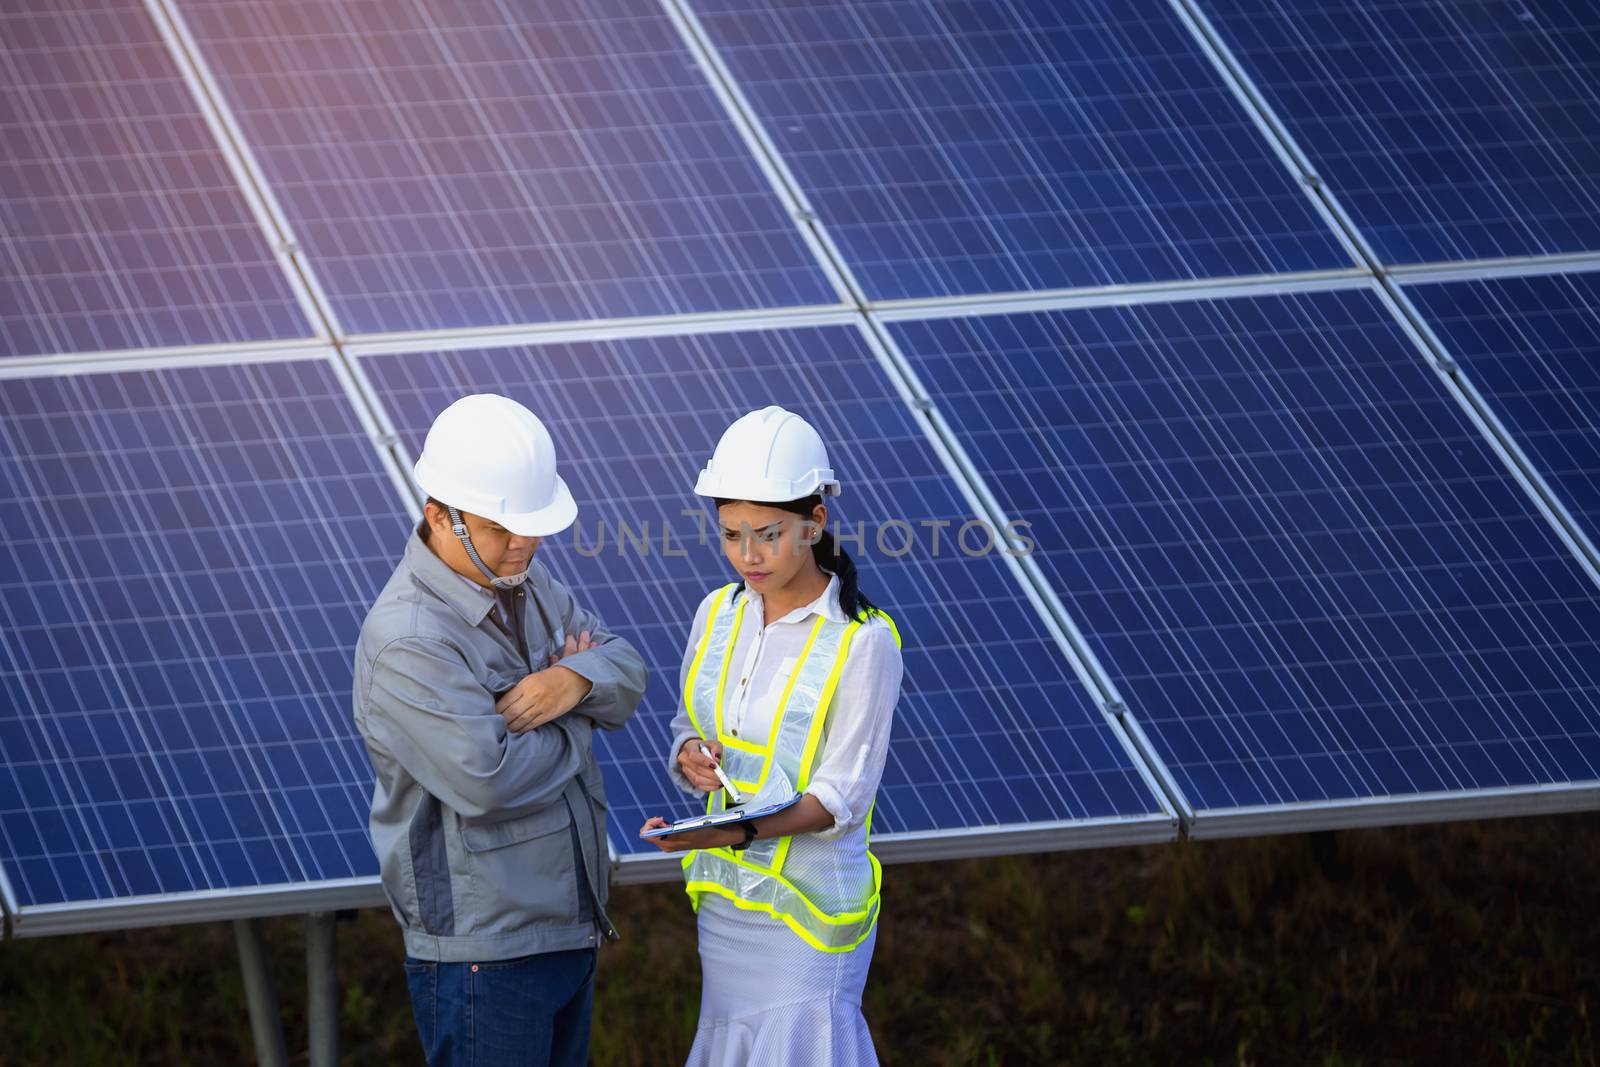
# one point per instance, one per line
(532, 1011)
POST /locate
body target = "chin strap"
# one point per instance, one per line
(458, 527)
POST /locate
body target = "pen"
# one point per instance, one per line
(723, 778)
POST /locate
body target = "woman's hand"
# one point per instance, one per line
(700, 771)
(805, 817)
(710, 837)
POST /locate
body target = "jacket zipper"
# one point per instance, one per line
(581, 871)
(599, 850)
(601, 919)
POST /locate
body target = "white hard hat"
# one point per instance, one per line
(768, 456)
(491, 456)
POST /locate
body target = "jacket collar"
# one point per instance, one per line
(470, 600)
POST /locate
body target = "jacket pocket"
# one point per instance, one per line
(480, 836)
(521, 873)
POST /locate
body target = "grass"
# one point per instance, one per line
(1470, 943)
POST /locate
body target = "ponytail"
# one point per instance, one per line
(829, 556)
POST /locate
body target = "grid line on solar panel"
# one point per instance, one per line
(1489, 269)
(124, 227)
(1005, 147)
(1446, 131)
(1115, 296)
(993, 727)
(189, 553)
(1528, 345)
(459, 165)
(159, 358)
(1302, 565)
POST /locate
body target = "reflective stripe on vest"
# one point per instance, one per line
(755, 878)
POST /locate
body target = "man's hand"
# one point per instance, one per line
(546, 695)
(581, 643)
(700, 771)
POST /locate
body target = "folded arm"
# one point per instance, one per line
(425, 706)
(613, 668)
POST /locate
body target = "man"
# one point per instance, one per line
(478, 680)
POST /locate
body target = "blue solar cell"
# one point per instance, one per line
(994, 147)
(1448, 130)
(993, 727)
(474, 164)
(1529, 345)
(123, 226)
(190, 554)
(1303, 566)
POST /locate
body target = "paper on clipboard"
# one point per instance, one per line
(723, 818)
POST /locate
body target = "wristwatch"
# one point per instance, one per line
(749, 829)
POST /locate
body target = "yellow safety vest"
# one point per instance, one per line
(796, 880)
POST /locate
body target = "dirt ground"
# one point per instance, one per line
(1463, 944)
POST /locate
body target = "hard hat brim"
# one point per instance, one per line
(548, 521)
(761, 491)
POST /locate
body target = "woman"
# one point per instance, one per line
(789, 683)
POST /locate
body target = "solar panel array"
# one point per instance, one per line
(1530, 344)
(451, 165)
(1304, 567)
(981, 148)
(189, 554)
(1286, 573)
(123, 226)
(1449, 131)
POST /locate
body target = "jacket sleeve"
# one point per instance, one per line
(427, 709)
(682, 728)
(613, 668)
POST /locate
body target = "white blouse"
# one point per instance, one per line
(856, 742)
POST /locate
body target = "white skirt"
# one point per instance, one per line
(768, 999)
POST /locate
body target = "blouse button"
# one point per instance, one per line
(735, 732)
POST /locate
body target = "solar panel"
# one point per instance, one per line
(1312, 580)
(190, 553)
(1323, 595)
(123, 226)
(451, 165)
(1447, 130)
(1529, 345)
(990, 147)
(993, 728)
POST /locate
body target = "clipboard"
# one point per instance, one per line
(723, 818)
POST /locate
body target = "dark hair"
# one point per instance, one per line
(826, 551)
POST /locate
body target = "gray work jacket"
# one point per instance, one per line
(491, 844)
